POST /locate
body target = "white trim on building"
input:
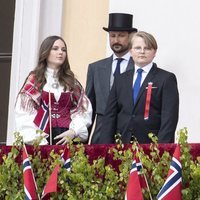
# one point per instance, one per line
(34, 21)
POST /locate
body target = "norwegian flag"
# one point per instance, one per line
(171, 190)
(134, 190)
(65, 157)
(30, 187)
(52, 183)
(42, 117)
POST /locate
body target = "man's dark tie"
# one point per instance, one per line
(137, 83)
(117, 70)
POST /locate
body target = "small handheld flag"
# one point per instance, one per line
(30, 187)
(171, 190)
(66, 159)
(52, 183)
(134, 190)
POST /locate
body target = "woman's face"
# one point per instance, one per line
(57, 55)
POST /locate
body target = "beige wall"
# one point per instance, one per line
(82, 30)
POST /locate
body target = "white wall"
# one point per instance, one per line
(32, 24)
(176, 27)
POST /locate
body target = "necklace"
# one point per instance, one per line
(55, 83)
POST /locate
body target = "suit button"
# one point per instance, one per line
(130, 129)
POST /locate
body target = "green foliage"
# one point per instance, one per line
(11, 186)
(96, 179)
(190, 169)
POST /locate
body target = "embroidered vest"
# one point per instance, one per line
(60, 111)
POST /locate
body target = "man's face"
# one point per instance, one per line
(119, 42)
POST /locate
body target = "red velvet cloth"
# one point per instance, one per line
(96, 151)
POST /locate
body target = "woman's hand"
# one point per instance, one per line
(65, 137)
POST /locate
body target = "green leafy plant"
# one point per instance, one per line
(97, 179)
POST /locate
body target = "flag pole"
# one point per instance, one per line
(148, 189)
(50, 127)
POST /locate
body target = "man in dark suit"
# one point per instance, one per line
(142, 101)
(100, 74)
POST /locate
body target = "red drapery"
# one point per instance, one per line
(95, 151)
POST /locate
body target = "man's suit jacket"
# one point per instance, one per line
(98, 87)
(127, 118)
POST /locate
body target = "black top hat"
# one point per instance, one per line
(120, 22)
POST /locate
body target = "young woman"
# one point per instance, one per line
(52, 99)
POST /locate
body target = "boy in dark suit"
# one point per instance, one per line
(144, 100)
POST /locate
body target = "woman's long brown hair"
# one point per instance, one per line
(65, 75)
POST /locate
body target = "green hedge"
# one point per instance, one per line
(98, 180)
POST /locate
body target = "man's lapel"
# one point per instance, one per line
(128, 88)
(105, 76)
(130, 65)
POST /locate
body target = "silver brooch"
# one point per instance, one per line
(55, 83)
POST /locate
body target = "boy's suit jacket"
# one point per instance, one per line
(127, 118)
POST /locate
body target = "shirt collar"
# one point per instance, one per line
(146, 68)
(125, 57)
